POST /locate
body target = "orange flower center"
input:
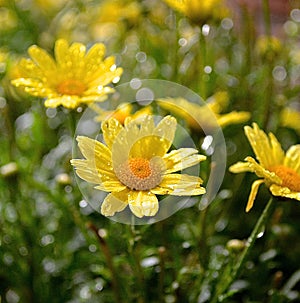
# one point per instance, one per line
(289, 177)
(140, 167)
(140, 173)
(71, 87)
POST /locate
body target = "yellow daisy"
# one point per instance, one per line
(280, 171)
(135, 166)
(191, 111)
(123, 111)
(74, 77)
(290, 117)
(199, 12)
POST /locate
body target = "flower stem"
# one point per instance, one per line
(109, 261)
(222, 293)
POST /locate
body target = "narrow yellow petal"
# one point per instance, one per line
(281, 191)
(233, 118)
(182, 158)
(253, 193)
(179, 185)
(94, 150)
(111, 129)
(240, 167)
(113, 203)
(261, 172)
(111, 185)
(292, 158)
(44, 61)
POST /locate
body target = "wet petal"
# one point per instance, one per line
(182, 158)
(268, 150)
(240, 167)
(179, 185)
(292, 158)
(254, 188)
(111, 128)
(43, 60)
(281, 191)
(143, 203)
(113, 203)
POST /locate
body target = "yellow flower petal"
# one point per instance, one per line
(179, 185)
(261, 172)
(143, 203)
(113, 203)
(111, 185)
(85, 171)
(43, 60)
(137, 140)
(292, 158)
(182, 158)
(233, 118)
(253, 193)
(241, 167)
(267, 150)
(110, 129)
(281, 191)
(95, 150)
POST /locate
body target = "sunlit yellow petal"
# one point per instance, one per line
(281, 191)
(233, 118)
(113, 186)
(241, 167)
(85, 171)
(253, 193)
(266, 149)
(260, 171)
(179, 185)
(113, 203)
(143, 203)
(110, 129)
(182, 158)
(94, 150)
(43, 60)
(292, 158)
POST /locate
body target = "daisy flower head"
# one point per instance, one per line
(74, 77)
(135, 165)
(278, 170)
(200, 12)
(210, 114)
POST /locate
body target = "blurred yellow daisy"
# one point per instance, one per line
(135, 166)
(123, 111)
(216, 104)
(200, 12)
(290, 117)
(74, 77)
(280, 171)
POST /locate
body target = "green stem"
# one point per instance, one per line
(109, 262)
(254, 235)
(202, 63)
(244, 256)
(267, 17)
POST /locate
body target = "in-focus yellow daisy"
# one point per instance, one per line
(74, 77)
(135, 165)
(200, 12)
(216, 104)
(280, 171)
